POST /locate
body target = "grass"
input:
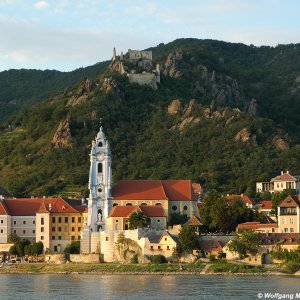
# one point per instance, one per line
(223, 266)
(95, 268)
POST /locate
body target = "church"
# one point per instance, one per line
(109, 207)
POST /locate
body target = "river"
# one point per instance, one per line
(13, 286)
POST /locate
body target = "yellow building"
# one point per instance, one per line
(289, 215)
(59, 223)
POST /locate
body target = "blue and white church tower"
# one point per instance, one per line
(100, 187)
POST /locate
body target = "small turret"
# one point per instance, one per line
(114, 54)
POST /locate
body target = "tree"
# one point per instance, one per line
(73, 248)
(244, 243)
(138, 220)
(187, 240)
(13, 238)
(177, 218)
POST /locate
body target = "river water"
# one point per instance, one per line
(45, 287)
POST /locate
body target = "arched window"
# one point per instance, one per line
(99, 190)
(99, 168)
(174, 207)
(128, 204)
(100, 144)
(144, 204)
(158, 204)
(185, 207)
(126, 227)
(115, 204)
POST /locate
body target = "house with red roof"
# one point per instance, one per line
(264, 206)
(242, 197)
(174, 196)
(53, 221)
(259, 227)
(279, 183)
(118, 218)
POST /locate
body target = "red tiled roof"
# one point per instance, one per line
(197, 188)
(244, 198)
(211, 245)
(3, 208)
(180, 190)
(290, 201)
(30, 206)
(265, 204)
(284, 177)
(256, 225)
(126, 211)
(194, 221)
(282, 238)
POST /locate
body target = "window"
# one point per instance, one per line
(168, 247)
(158, 204)
(73, 219)
(106, 238)
(115, 204)
(273, 230)
(24, 222)
(53, 228)
(55, 248)
(1, 231)
(158, 248)
(185, 207)
(291, 229)
(100, 144)
(158, 220)
(73, 228)
(166, 239)
(15, 222)
(144, 204)
(33, 222)
(174, 207)
(42, 237)
(72, 238)
(15, 231)
(42, 229)
(59, 228)
(79, 228)
(53, 237)
(291, 220)
(282, 185)
(100, 168)
(283, 221)
(59, 219)
(24, 231)
(79, 219)
(286, 229)
(151, 247)
(53, 219)
(117, 221)
(42, 221)
(128, 204)
(66, 219)
(33, 231)
(1, 221)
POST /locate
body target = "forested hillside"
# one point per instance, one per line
(202, 123)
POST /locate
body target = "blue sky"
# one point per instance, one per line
(67, 34)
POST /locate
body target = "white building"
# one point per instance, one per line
(279, 183)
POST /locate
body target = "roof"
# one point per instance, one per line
(285, 177)
(244, 198)
(282, 238)
(211, 245)
(31, 206)
(3, 208)
(265, 204)
(289, 201)
(197, 188)
(126, 211)
(173, 190)
(194, 221)
(256, 225)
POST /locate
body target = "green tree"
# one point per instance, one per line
(177, 218)
(187, 240)
(138, 220)
(244, 243)
(73, 248)
(13, 238)
(277, 198)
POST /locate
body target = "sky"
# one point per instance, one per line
(69, 34)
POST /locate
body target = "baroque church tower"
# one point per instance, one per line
(100, 182)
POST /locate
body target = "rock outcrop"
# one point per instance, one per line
(280, 144)
(252, 108)
(86, 86)
(110, 87)
(246, 137)
(63, 135)
(175, 60)
(175, 107)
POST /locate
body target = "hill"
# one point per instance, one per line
(201, 123)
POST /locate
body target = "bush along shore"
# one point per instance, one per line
(214, 268)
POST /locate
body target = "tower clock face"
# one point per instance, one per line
(100, 189)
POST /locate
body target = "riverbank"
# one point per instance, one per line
(147, 269)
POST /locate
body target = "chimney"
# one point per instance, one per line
(281, 172)
(50, 206)
(44, 197)
(287, 172)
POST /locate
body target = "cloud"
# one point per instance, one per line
(41, 5)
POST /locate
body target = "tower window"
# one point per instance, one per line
(128, 204)
(100, 144)
(115, 204)
(100, 168)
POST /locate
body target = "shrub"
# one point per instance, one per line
(159, 259)
(134, 259)
(291, 267)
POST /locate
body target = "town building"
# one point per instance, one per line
(242, 197)
(264, 206)
(280, 183)
(289, 215)
(259, 227)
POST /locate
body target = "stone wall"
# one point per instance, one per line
(143, 79)
(85, 258)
